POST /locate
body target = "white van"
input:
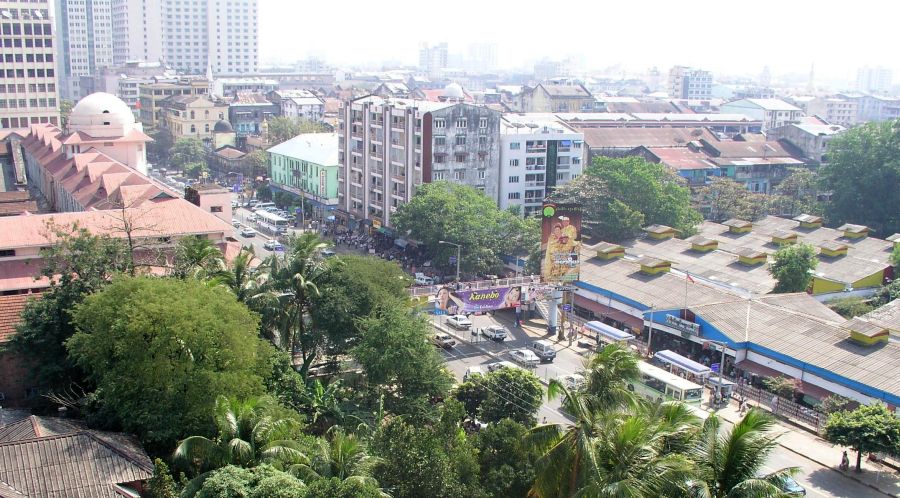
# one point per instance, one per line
(264, 205)
(472, 372)
(544, 350)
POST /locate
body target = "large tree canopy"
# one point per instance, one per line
(465, 216)
(868, 429)
(863, 176)
(791, 267)
(162, 350)
(620, 195)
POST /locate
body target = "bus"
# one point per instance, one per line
(272, 222)
(660, 385)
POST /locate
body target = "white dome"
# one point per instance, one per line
(102, 109)
(453, 91)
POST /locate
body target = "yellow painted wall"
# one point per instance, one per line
(654, 271)
(610, 255)
(873, 280)
(710, 247)
(660, 236)
(856, 336)
(751, 261)
(821, 286)
(740, 230)
(851, 235)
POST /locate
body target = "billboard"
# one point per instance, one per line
(448, 301)
(560, 242)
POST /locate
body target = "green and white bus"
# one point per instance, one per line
(660, 385)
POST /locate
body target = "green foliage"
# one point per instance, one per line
(186, 151)
(724, 198)
(82, 264)
(798, 194)
(161, 485)
(621, 195)
(65, 109)
(868, 429)
(162, 350)
(463, 215)
(506, 461)
(264, 193)
(158, 150)
(282, 128)
(782, 386)
(399, 361)
(471, 394)
(792, 267)
(512, 393)
(336, 488)
(849, 307)
(258, 161)
(608, 373)
(863, 175)
(197, 257)
(886, 294)
(195, 169)
(895, 256)
(834, 403)
(260, 482)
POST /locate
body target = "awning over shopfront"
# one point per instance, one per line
(617, 315)
(686, 364)
(608, 332)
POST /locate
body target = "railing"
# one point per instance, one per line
(782, 407)
(428, 290)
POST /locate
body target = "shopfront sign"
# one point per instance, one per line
(686, 327)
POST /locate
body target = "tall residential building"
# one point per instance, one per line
(28, 88)
(137, 31)
(84, 42)
(873, 79)
(432, 58)
(390, 147)
(482, 57)
(690, 83)
(538, 152)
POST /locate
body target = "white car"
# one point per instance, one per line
(495, 333)
(573, 382)
(525, 357)
(493, 367)
(248, 232)
(422, 279)
(442, 340)
(474, 370)
(459, 322)
(273, 245)
(235, 223)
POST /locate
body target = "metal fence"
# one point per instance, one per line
(782, 407)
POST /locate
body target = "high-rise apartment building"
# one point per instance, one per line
(873, 79)
(390, 147)
(84, 29)
(690, 83)
(432, 58)
(28, 84)
(137, 31)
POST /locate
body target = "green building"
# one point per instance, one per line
(306, 166)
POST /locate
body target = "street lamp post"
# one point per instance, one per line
(457, 254)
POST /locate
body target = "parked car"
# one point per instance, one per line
(252, 217)
(459, 322)
(791, 487)
(573, 382)
(273, 245)
(493, 367)
(328, 253)
(525, 357)
(422, 279)
(235, 223)
(543, 349)
(443, 340)
(248, 232)
(474, 370)
(495, 333)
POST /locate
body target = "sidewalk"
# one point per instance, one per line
(875, 476)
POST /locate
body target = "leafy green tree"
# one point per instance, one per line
(724, 198)
(197, 257)
(65, 109)
(247, 435)
(507, 463)
(77, 264)
(868, 429)
(343, 457)
(780, 385)
(619, 195)
(186, 151)
(336, 488)
(731, 464)
(607, 376)
(322, 404)
(792, 267)
(162, 350)
(161, 485)
(239, 277)
(863, 176)
(471, 394)
(283, 128)
(463, 215)
(849, 307)
(263, 481)
(895, 256)
(834, 403)
(264, 193)
(258, 162)
(798, 194)
(158, 150)
(512, 393)
(195, 169)
(886, 294)
(398, 360)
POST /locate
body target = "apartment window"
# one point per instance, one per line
(482, 122)
(440, 124)
(482, 140)
(514, 179)
(515, 145)
(481, 174)
(514, 195)
(461, 157)
(439, 158)
(560, 176)
(462, 123)
(437, 175)
(215, 209)
(440, 140)
(460, 140)
(459, 175)
(513, 162)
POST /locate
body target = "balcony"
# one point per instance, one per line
(537, 149)
(535, 184)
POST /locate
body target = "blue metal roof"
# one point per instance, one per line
(686, 364)
(608, 332)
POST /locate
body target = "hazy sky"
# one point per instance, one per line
(721, 35)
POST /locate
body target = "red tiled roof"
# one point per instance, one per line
(17, 196)
(20, 275)
(681, 158)
(10, 314)
(14, 208)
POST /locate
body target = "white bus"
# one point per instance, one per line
(271, 222)
(660, 385)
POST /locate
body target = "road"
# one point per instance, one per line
(819, 481)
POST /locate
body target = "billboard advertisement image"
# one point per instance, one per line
(448, 301)
(560, 242)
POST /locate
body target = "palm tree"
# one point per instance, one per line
(197, 257)
(344, 457)
(730, 464)
(240, 278)
(322, 404)
(246, 437)
(608, 373)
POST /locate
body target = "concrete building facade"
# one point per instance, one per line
(772, 112)
(85, 42)
(537, 153)
(152, 94)
(873, 79)
(690, 83)
(433, 58)
(28, 93)
(192, 116)
(306, 167)
(137, 31)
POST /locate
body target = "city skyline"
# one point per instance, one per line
(788, 38)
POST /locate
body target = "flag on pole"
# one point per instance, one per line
(689, 279)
